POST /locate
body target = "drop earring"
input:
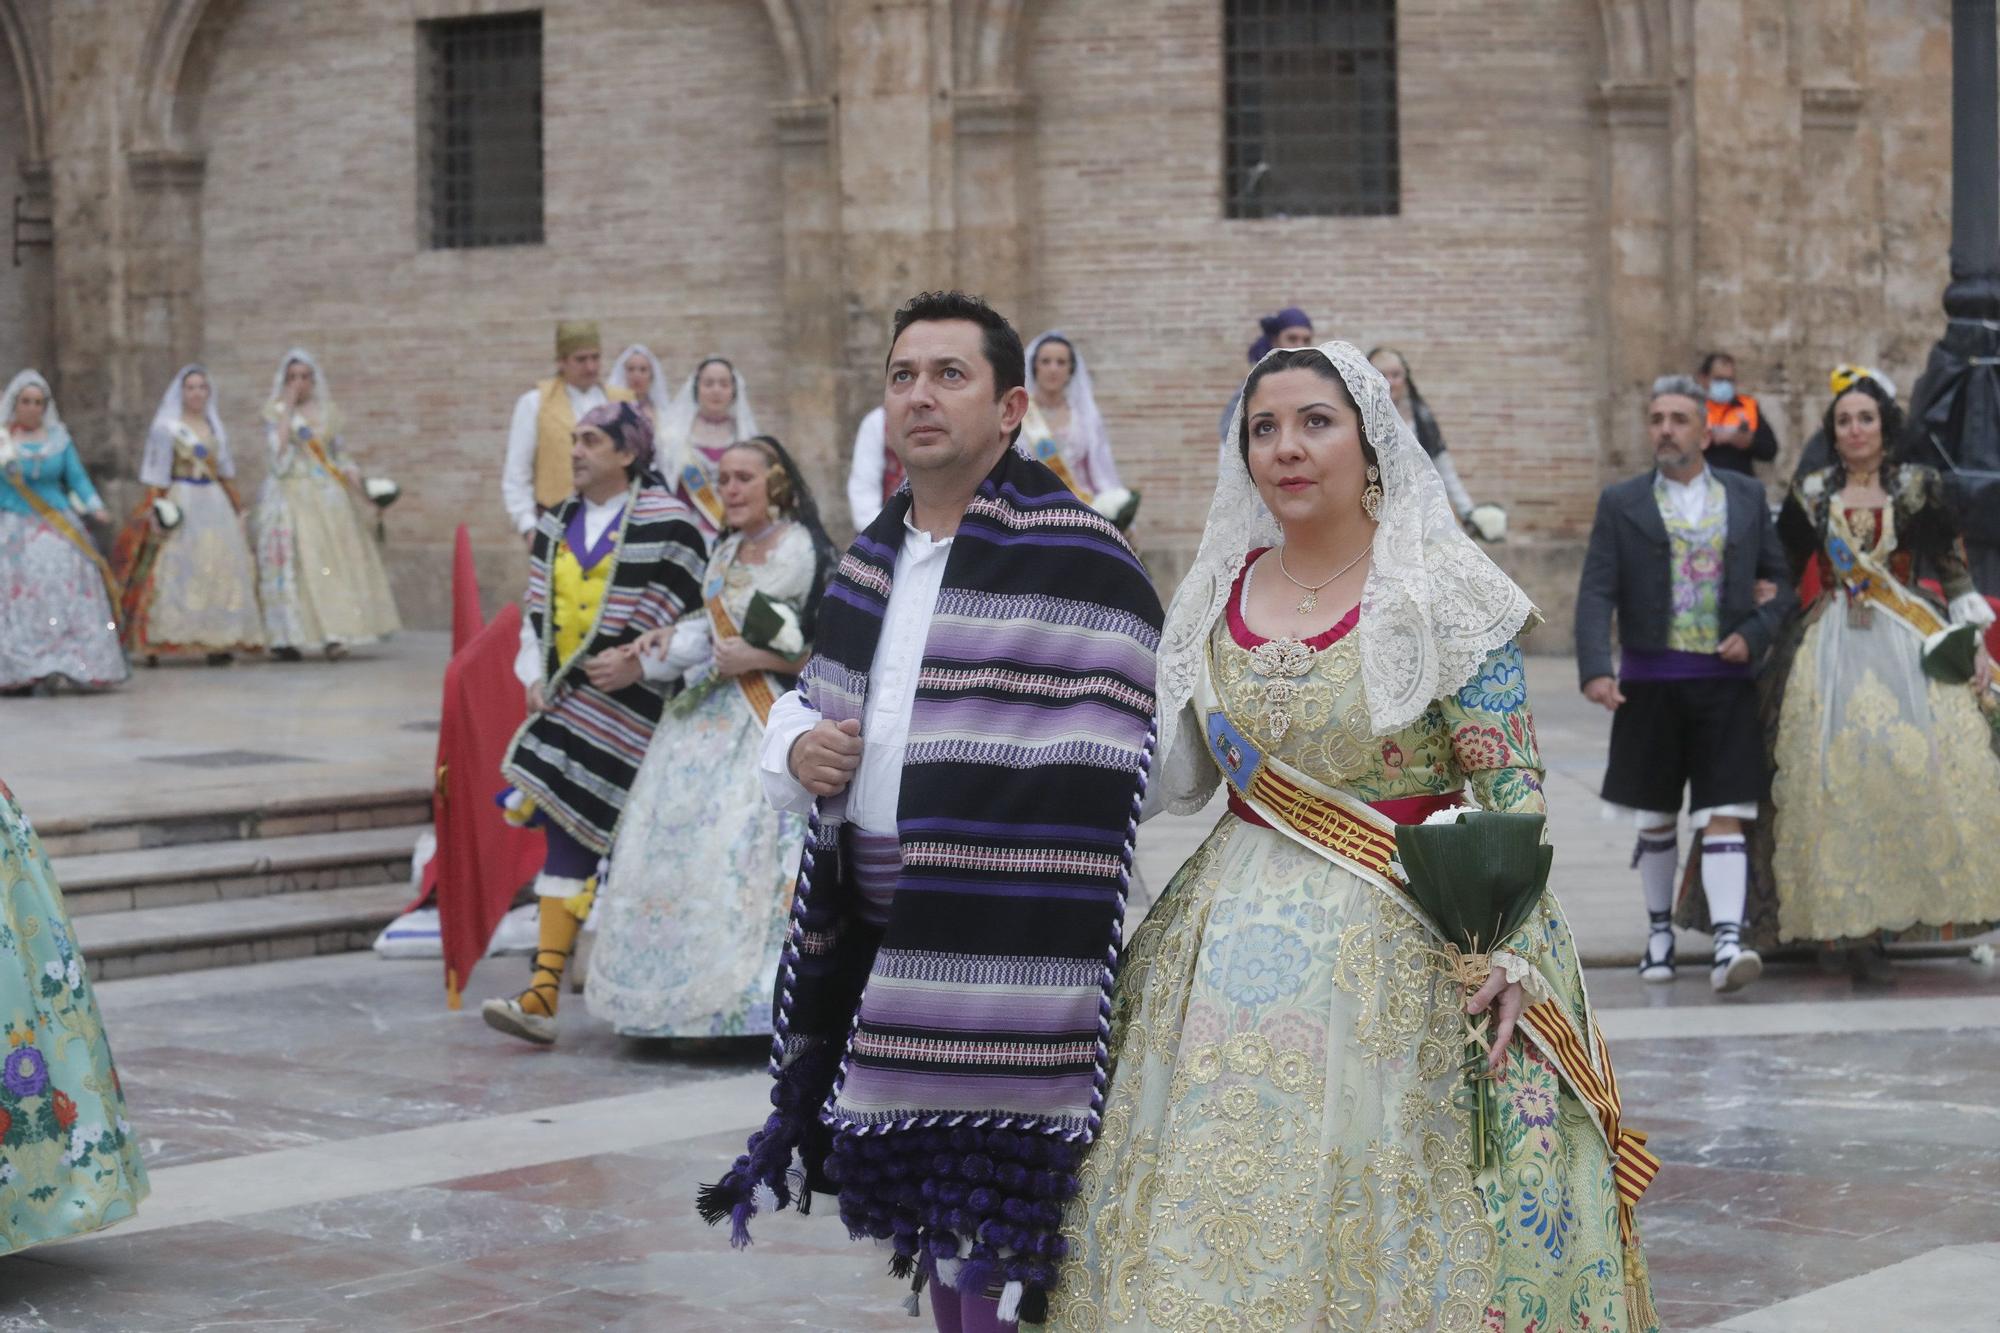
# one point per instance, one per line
(1371, 496)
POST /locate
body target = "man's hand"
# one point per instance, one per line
(1763, 590)
(825, 758)
(1733, 437)
(528, 540)
(1505, 999)
(536, 702)
(1733, 649)
(1603, 691)
(614, 670)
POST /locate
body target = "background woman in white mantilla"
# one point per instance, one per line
(190, 578)
(319, 574)
(710, 413)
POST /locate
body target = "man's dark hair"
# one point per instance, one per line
(1708, 362)
(1002, 344)
(1296, 358)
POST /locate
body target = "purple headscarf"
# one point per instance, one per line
(1291, 317)
(628, 431)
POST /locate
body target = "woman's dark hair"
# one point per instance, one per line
(722, 361)
(1068, 346)
(1892, 429)
(790, 492)
(1001, 344)
(1295, 358)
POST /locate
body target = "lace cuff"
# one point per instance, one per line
(1519, 970)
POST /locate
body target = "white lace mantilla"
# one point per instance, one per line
(1433, 608)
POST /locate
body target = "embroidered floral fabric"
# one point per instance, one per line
(1694, 622)
(68, 1160)
(319, 576)
(1280, 1146)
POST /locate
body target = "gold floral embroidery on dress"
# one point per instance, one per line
(1890, 804)
(1405, 997)
(1303, 706)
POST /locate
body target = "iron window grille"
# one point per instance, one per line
(1309, 109)
(480, 100)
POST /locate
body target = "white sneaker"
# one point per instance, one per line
(1735, 971)
(509, 1017)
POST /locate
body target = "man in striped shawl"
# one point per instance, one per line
(972, 739)
(617, 558)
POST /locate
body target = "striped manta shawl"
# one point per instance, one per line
(944, 1073)
(578, 757)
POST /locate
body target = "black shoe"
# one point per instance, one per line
(288, 654)
(221, 659)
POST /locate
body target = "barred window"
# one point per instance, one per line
(480, 100)
(1309, 108)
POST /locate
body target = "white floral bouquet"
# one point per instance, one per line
(381, 491)
(166, 514)
(1488, 522)
(1117, 504)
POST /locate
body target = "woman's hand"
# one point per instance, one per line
(734, 657)
(1506, 999)
(653, 643)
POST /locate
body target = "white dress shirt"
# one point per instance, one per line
(877, 787)
(864, 474)
(517, 479)
(597, 519)
(1689, 499)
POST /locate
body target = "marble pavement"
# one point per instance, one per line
(333, 1149)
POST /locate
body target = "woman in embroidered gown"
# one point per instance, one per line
(69, 1163)
(637, 371)
(56, 620)
(710, 413)
(1488, 522)
(1281, 1148)
(1886, 788)
(1064, 429)
(191, 589)
(692, 919)
(319, 574)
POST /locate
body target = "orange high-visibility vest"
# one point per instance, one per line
(1742, 412)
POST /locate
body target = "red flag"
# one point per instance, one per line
(482, 860)
(466, 618)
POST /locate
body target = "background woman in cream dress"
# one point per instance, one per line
(191, 589)
(319, 575)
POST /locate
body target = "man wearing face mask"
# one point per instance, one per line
(1739, 435)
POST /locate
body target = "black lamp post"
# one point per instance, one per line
(1955, 408)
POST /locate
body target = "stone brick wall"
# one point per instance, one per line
(662, 217)
(1594, 191)
(1486, 281)
(24, 291)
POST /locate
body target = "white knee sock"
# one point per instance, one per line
(1725, 875)
(1655, 858)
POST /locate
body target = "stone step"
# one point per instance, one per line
(177, 875)
(154, 940)
(277, 818)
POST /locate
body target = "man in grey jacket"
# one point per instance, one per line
(1687, 560)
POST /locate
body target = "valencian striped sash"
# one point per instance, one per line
(965, 1038)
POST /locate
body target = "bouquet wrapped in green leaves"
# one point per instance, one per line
(1478, 878)
(768, 623)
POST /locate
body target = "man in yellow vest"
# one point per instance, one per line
(537, 476)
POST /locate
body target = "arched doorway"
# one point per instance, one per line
(26, 311)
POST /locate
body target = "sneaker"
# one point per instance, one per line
(509, 1017)
(1657, 963)
(1734, 971)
